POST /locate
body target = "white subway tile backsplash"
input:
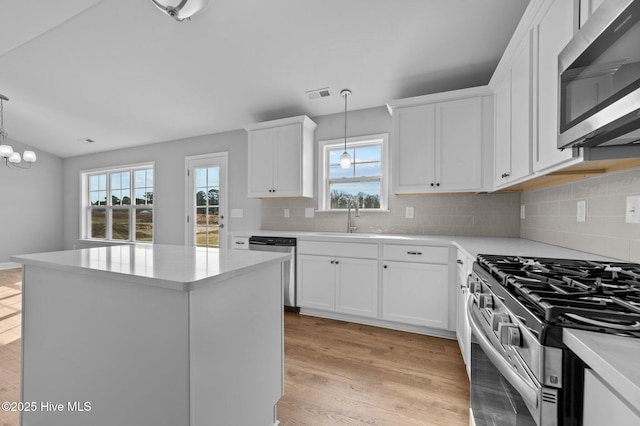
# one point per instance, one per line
(551, 215)
(446, 214)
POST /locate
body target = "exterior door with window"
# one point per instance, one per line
(206, 200)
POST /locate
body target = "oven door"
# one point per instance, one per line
(502, 393)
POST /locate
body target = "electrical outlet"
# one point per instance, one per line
(632, 214)
(309, 212)
(522, 212)
(581, 214)
(286, 212)
(409, 213)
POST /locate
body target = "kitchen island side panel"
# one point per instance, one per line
(118, 346)
(237, 340)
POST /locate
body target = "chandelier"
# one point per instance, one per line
(180, 10)
(11, 157)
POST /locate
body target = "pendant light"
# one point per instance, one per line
(180, 10)
(345, 158)
(11, 157)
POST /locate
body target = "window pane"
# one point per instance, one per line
(97, 182)
(144, 225)
(213, 178)
(115, 181)
(201, 178)
(368, 169)
(368, 153)
(149, 174)
(98, 223)
(337, 172)
(367, 194)
(120, 224)
(143, 196)
(201, 197)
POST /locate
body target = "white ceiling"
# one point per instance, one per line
(124, 74)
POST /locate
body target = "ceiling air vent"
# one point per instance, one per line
(319, 93)
(86, 140)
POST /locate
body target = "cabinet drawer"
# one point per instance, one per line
(360, 250)
(240, 243)
(410, 253)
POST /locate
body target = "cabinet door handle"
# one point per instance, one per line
(459, 262)
(431, 183)
(415, 253)
(333, 261)
(438, 184)
(505, 175)
(385, 266)
(240, 243)
(337, 262)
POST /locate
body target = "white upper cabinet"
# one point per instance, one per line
(438, 141)
(554, 30)
(513, 96)
(281, 158)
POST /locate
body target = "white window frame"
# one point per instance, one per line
(324, 198)
(86, 207)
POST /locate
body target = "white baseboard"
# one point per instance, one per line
(10, 265)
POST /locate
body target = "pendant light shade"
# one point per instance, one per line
(29, 156)
(345, 158)
(6, 151)
(180, 10)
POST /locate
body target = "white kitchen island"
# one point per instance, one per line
(151, 335)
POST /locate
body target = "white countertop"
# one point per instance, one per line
(615, 359)
(168, 266)
(471, 245)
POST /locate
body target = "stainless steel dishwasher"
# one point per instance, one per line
(282, 245)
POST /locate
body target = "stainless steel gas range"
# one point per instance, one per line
(521, 372)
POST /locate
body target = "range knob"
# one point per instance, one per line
(497, 319)
(485, 301)
(509, 334)
(475, 286)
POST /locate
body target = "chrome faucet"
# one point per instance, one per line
(350, 227)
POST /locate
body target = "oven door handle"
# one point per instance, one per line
(528, 391)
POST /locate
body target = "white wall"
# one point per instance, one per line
(169, 191)
(31, 206)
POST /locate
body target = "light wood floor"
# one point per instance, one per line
(339, 373)
(10, 308)
(336, 373)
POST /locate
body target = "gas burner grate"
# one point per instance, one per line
(596, 295)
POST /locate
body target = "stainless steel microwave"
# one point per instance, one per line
(599, 80)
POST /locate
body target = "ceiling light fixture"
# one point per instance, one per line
(180, 10)
(11, 158)
(345, 158)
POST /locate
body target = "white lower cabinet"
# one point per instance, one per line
(602, 406)
(339, 284)
(415, 293)
(401, 286)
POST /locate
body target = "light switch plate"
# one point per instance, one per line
(581, 214)
(309, 212)
(632, 214)
(237, 213)
(286, 212)
(409, 213)
(522, 214)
